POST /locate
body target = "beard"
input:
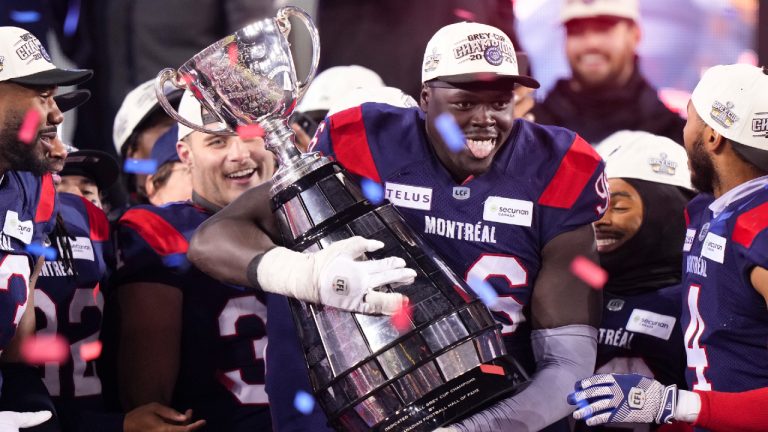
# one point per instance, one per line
(16, 155)
(703, 175)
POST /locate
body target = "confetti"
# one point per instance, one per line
(464, 14)
(484, 290)
(29, 127)
(140, 166)
(589, 272)
(96, 293)
(38, 249)
(90, 351)
(304, 402)
(401, 320)
(250, 131)
(176, 261)
(25, 17)
(450, 132)
(72, 18)
(41, 349)
(372, 190)
(233, 54)
(492, 369)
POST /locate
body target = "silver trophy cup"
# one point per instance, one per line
(447, 357)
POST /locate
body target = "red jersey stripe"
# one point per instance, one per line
(749, 224)
(161, 236)
(687, 217)
(47, 200)
(575, 170)
(350, 143)
(97, 221)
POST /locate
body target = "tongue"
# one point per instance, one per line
(480, 149)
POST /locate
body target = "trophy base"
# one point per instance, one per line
(474, 389)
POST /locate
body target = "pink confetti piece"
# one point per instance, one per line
(589, 272)
(233, 54)
(96, 293)
(41, 349)
(250, 131)
(401, 320)
(29, 126)
(90, 351)
(464, 14)
(492, 369)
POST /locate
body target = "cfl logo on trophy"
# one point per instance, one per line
(760, 125)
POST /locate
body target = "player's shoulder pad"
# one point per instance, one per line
(566, 159)
(750, 223)
(698, 204)
(157, 226)
(37, 193)
(95, 222)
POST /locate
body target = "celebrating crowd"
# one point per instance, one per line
(625, 247)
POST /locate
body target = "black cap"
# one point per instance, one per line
(94, 164)
(72, 100)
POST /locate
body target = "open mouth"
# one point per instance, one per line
(242, 175)
(481, 148)
(607, 242)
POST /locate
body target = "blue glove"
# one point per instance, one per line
(617, 398)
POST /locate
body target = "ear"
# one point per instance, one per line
(424, 97)
(636, 33)
(184, 151)
(714, 142)
(149, 187)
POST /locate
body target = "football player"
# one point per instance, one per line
(28, 119)
(512, 205)
(725, 272)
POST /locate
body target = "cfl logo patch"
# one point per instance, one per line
(636, 398)
(341, 286)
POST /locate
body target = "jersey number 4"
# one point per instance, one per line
(697, 354)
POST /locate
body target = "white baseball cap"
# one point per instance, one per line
(333, 83)
(645, 156)
(579, 9)
(472, 52)
(386, 95)
(138, 104)
(23, 60)
(733, 100)
(191, 110)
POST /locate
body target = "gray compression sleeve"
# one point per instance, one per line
(563, 356)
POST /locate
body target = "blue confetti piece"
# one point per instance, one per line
(140, 166)
(450, 131)
(176, 261)
(38, 250)
(372, 190)
(484, 290)
(72, 19)
(25, 17)
(304, 402)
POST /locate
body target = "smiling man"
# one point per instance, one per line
(606, 92)
(512, 205)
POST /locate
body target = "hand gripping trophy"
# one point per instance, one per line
(366, 373)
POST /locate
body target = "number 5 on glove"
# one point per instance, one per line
(616, 398)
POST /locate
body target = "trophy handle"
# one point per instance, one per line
(169, 75)
(303, 16)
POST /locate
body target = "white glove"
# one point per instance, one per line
(11, 421)
(335, 277)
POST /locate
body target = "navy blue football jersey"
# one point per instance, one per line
(543, 182)
(70, 303)
(26, 218)
(641, 334)
(223, 341)
(725, 320)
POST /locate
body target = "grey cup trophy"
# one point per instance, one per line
(447, 358)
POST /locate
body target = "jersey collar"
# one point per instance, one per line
(719, 205)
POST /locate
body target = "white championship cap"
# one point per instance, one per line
(645, 156)
(23, 60)
(580, 9)
(470, 52)
(733, 100)
(191, 110)
(386, 95)
(333, 83)
(138, 104)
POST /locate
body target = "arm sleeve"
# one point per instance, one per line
(563, 355)
(744, 411)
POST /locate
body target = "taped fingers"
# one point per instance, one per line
(383, 303)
